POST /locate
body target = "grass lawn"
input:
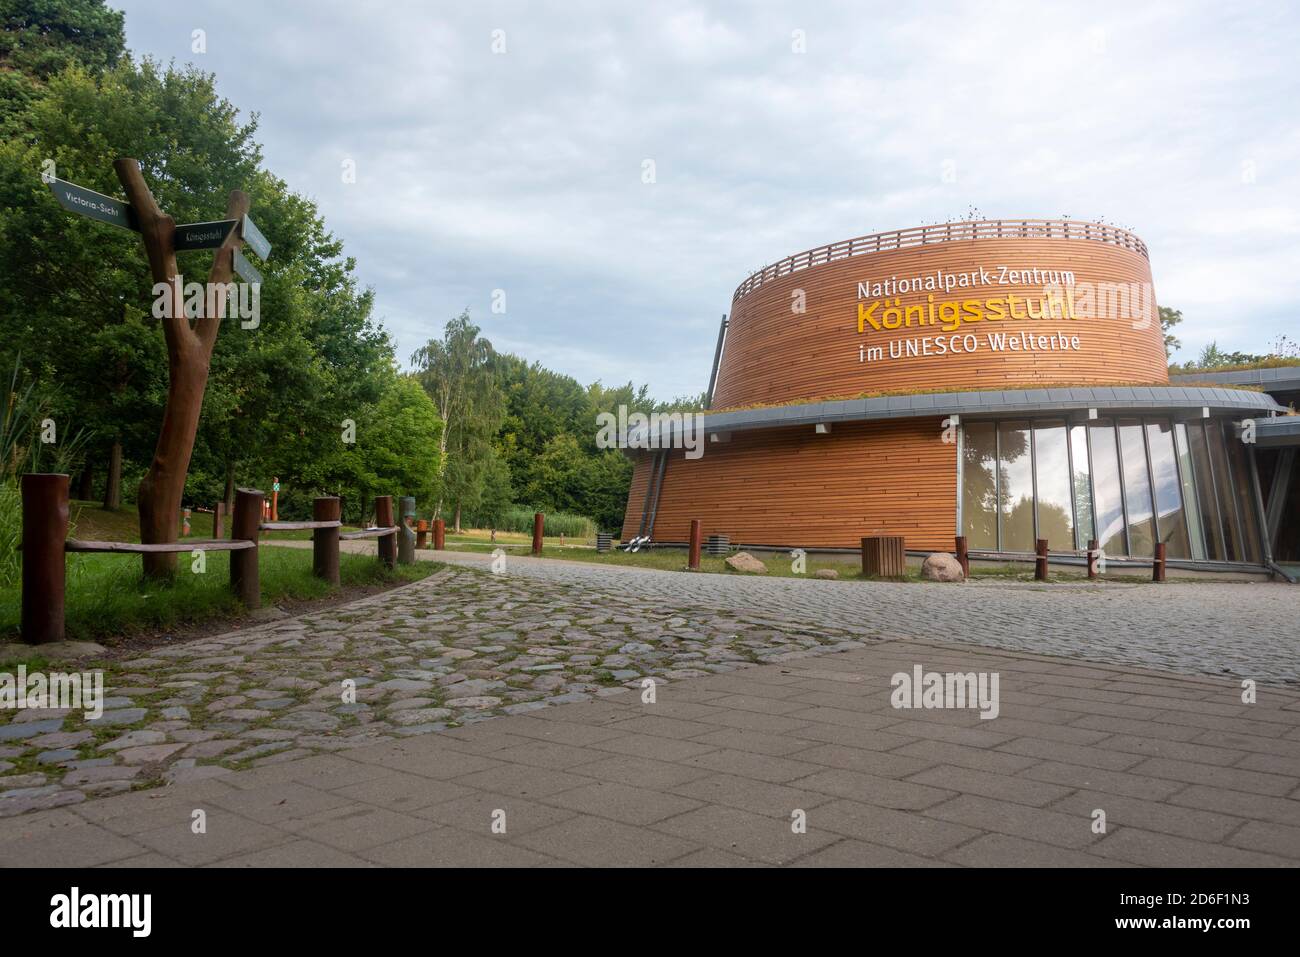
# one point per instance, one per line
(108, 597)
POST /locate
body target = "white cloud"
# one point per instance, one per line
(522, 171)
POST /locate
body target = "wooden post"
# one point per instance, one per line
(439, 535)
(883, 556)
(219, 520)
(1092, 557)
(1158, 566)
(405, 535)
(697, 536)
(422, 534)
(384, 519)
(325, 541)
(275, 499)
(45, 529)
(539, 522)
(244, 522)
(1040, 560)
(963, 556)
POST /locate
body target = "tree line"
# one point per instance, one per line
(315, 395)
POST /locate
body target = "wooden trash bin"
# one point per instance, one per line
(883, 556)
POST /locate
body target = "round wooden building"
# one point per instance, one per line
(1002, 380)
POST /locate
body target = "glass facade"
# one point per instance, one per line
(1128, 482)
(1015, 487)
(979, 487)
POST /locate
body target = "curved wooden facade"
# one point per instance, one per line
(775, 354)
(793, 487)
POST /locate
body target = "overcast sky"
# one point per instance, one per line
(522, 170)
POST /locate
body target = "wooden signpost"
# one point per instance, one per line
(189, 340)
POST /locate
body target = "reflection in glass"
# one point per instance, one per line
(978, 486)
(1052, 472)
(1205, 484)
(1105, 487)
(1190, 502)
(1137, 488)
(1233, 546)
(1082, 486)
(1245, 499)
(1015, 487)
(1168, 490)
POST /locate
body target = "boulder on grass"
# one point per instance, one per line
(941, 567)
(827, 573)
(745, 562)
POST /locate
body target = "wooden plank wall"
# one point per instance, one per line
(795, 488)
(774, 356)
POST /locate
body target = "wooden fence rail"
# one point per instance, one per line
(45, 545)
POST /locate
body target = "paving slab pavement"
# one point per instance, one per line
(804, 762)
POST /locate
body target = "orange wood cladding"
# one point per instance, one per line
(793, 487)
(774, 355)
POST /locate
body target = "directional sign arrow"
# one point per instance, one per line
(87, 202)
(245, 268)
(203, 235)
(253, 236)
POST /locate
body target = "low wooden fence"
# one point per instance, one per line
(45, 544)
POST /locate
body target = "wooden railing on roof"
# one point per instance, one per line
(1072, 229)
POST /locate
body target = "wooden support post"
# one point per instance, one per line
(325, 541)
(45, 528)
(219, 520)
(384, 519)
(1158, 566)
(963, 556)
(539, 522)
(1093, 558)
(405, 534)
(422, 534)
(439, 535)
(1040, 560)
(697, 538)
(244, 524)
(883, 556)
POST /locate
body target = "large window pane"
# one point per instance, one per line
(1137, 488)
(1234, 550)
(1015, 487)
(1170, 524)
(1105, 487)
(1191, 504)
(1205, 492)
(978, 485)
(1245, 494)
(1082, 486)
(1052, 472)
